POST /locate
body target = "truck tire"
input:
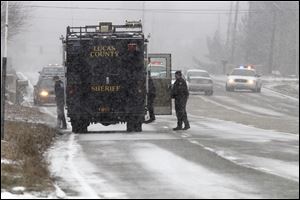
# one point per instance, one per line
(75, 128)
(134, 126)
(138, 127)
(209, 93)
(130, 126)
(78, 126)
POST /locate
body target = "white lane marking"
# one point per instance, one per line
(238, 131)
(248, 107)
(288, 170)
(71, 164)
(88, 190)
(227, 107)
(280, 94)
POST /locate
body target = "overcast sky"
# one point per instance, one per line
(181, 33)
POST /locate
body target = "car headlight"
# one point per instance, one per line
(44, 93)
(251, 82)
(230, 81)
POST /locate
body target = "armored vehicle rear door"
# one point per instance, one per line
(160, 69)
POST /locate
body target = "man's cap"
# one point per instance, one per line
(55, 78)
(178, 73)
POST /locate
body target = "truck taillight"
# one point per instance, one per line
(132, 47)
(71, 90)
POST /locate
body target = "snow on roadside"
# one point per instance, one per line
(191, 178)
(19, 193)
(7, 162)
(8, 195)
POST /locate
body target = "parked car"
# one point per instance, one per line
(199, 81)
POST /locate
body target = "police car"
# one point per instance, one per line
(244, 77)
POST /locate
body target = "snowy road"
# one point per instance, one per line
(246, 146)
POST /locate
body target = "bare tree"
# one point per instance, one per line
(18, 17)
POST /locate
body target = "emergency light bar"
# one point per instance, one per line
(246, 67)
(156, 63)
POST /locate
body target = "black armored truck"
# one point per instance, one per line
(106, 75)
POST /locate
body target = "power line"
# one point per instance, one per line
(187, 11)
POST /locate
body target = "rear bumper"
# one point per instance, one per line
(200, 87)
(108, 118)
(44, 100)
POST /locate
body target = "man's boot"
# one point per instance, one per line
(179, 127)
(187, 126)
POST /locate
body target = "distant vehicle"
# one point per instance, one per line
(244, 77)
(199, 80)
(157, 68)
(43, 92)
(106, 76)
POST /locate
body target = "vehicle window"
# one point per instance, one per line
(53, 71)
(47, 83)
(195, 73)
(158, 67)
(241, 72)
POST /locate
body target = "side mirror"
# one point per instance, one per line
(227, 74)
(258, 75)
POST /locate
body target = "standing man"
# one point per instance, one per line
(151, 97)
(60, 102)
(180, 93)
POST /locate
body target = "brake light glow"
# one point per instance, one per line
(132, 47)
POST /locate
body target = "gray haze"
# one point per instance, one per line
(181, 34)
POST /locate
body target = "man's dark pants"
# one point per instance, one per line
(61, 119)
(180, 107)
(151, 110)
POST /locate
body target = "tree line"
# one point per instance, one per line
(266, 36)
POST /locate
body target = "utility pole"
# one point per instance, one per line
(229, 25)
(63, 49)
(3, 77)
(233, 42)
(143, 22)
(270, 67)
(273, 35)
(249, 33)
(297, 57)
